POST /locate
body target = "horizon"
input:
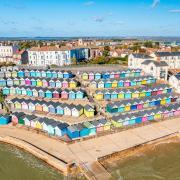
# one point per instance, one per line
(83, 18)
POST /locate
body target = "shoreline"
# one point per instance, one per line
(121, 156)
(54, 162)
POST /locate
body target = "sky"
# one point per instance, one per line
(66, 18)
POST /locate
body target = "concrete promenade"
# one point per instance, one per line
(86, 153)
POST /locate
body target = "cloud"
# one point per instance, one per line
(98, 19)
(89, 3)
(174, 10)
(155, 3)
(110, 14)
(17, 6)
(118, 22)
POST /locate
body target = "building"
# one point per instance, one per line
(48, 55)
(60, 56)
(174, 81)
(135, 60)
(20, 57)
(171, 58)
(7, 52)
(158, 69)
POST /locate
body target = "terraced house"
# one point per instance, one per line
(48, 55)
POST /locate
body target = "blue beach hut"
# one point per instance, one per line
(107, 95)
(97, 75)
(29, 92)
(83, 130)
(21, 73)
(79, 94)
(33, 82)
(72, 132)
(108, 84)
(59, 110)
(32, 73)
(6, 91)
(5, 119)
(72, 94)
(48, 94)
(61, 129)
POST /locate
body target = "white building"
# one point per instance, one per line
(7, 52)
(174, 81)
(135, 60)
(48, 55)
(158, 69)
(172, 58)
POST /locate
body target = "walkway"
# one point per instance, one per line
(86, 153)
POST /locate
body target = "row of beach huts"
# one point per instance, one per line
(138, 92)
(140, 103)
(37, 74)
(111, 75)
(90, 128)
(44, 92)
(62, 109)
(39, 82)
(126, 82)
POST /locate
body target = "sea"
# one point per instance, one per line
(162, 162)
(15, 164)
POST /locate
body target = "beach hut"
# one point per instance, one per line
(127, 83)
(67, 109)
(29, 92)
(158, 114)
(18, 91)
(114, 84)
(22, 82)
(12, 90)
(121, 94)
(138, 118)
(41, 93)
(106, 124)
(48, 94)
(140, 105)
(97, 75)
(45, 107)
(58, 84)
(65, 94)
(5, 119)
(150, 116)
(61, 129)
(56, 94)
(52, 109)
(145, 117)
(72, 94)
(135, 93)
(128, 94)
(98, 125)
(72, 84)
(48, 74)
(39, 83)
(60, 110)
(27, 73)
(21, 120)
(77, 111)
(91, 127)
(112, 75)
(85, 76)
(100, 84)
(51, 126)
(38, 106)
(107, 95)
(9, 82)
(83, 130)
(2, 74)
(91, 76)
(3, 82)
(37, 73)
(114, 95)
(6, 90)
(120, 83)
(32, 73)
(89, 111)
(127, 107)
(54, 74)
(39, 123)
(35, 92)
(99, 95)
(45, 83)
(23, 91)
(73, 132)
(132, 119)
(116, 74)
(106, 75)
(134, 105)
(27, 82)
(93, 84)
(142, 93)
(20, 73)
(31, 106)
(117, 121)
(122, 74)
(33, 82)
(24, 105)
(65, 84)
(43, 74)
(60, 74)
(79, 94)
(52, 83)
(66, 75)
(108, 84)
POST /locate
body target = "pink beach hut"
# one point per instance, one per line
(91, 76)
(145, 118)
(45, 83)
(127, 83)
(116, 74)
(65, 84)
(27, 81)
(64, 94)
(140, 105)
